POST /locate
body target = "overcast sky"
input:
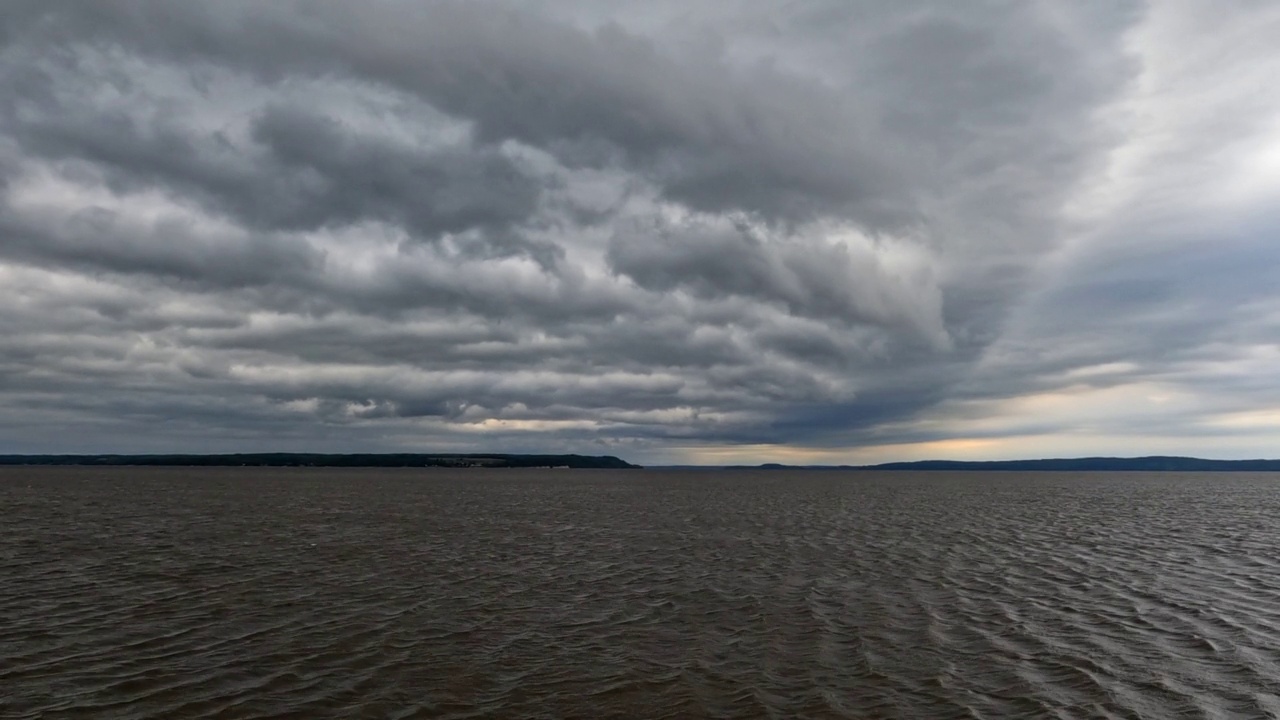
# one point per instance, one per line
(677, 232)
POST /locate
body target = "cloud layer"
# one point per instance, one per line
(674, 232)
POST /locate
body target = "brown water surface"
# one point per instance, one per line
(316, 593)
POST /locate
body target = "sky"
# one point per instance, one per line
(816, 231)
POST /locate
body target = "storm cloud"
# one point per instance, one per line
(670, 231)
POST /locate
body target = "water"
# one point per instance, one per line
(304, 593)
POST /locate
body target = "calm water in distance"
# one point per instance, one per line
(316, 593)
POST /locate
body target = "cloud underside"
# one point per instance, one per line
(480, 226)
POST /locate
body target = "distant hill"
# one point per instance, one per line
(1154, 463)
(484, 460)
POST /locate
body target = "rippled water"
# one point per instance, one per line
(219, 593)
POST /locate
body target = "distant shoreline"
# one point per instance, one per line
(1154, 463)
(331, 460)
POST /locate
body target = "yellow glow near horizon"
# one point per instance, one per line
(1085, 421)
(954, 448)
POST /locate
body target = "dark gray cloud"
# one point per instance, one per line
(622, 227)
(840, 282)
(294, 170)
(97, 238)
(338, 179)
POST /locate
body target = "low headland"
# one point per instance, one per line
(371, 460)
